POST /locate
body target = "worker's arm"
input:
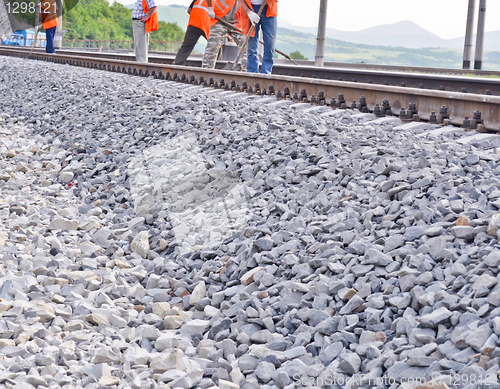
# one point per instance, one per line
(211, 13)
(191, 7)
(245, 6)
(254, 18)
(151, 11)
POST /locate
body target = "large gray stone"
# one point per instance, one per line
(435, 318)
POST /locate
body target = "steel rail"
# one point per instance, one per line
(195, 60)
(313, 90)
(422, 78)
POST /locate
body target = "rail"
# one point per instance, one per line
(118, 45)
(408, 103)
(422, 78)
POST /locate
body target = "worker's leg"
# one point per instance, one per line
(140, 41)
(190, 39)
(253, 45)
(217, 33)
(269, 30)
(49, 35)
(240, 39)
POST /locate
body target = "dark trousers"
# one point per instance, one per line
(190, 40)
(49, 34)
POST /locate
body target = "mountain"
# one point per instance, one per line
(404, 34)
(346, 52)
(491, 41)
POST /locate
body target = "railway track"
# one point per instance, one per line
(410, 103)
(455, 80)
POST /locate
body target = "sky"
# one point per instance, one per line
(445, 18)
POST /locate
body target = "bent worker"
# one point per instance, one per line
(226, 10)
(198, 25)
(144, 21)
(48, 16)
(268, 22)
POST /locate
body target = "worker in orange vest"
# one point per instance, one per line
(268, 22)
(144, 21)
(48, 16)
(198, 25)
(228, 11)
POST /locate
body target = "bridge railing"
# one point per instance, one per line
(119, 46)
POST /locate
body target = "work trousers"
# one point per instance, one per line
(49, 35)
(141, 41)
(269, 28)
(217, 34)
(190, 39)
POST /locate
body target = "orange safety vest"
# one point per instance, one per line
(48, 14)
(152, 23)
(199, 17)
(272, 12)
(221, 8)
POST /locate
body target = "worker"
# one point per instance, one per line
(227, 10)
(48, 16)
(268, 23)
(144, 21)
(198, 25)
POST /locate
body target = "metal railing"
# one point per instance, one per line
(119, 46)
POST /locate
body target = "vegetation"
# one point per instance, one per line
(97, 20)
(297, 55)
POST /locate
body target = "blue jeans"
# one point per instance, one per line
(49, 35)
(269, 29)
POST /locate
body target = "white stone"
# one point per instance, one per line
(161, 309)
(173, 322)
(494, 224)
(96, 319)
(190, 380)
(196, 326)
(140, 244)
(45, 312)
(66, 176)
(199, 293)
(89, 248)
(211, 311)
(97, 371)
(109, 381)
(160, 363)
(223, 384)
(247, 278)
(62, 223)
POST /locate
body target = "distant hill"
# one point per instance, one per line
(174, 14)
(404, 33)
(347, 52)
(491, 41)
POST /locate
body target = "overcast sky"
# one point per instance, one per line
(445, 18)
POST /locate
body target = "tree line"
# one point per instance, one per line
(97, 20)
